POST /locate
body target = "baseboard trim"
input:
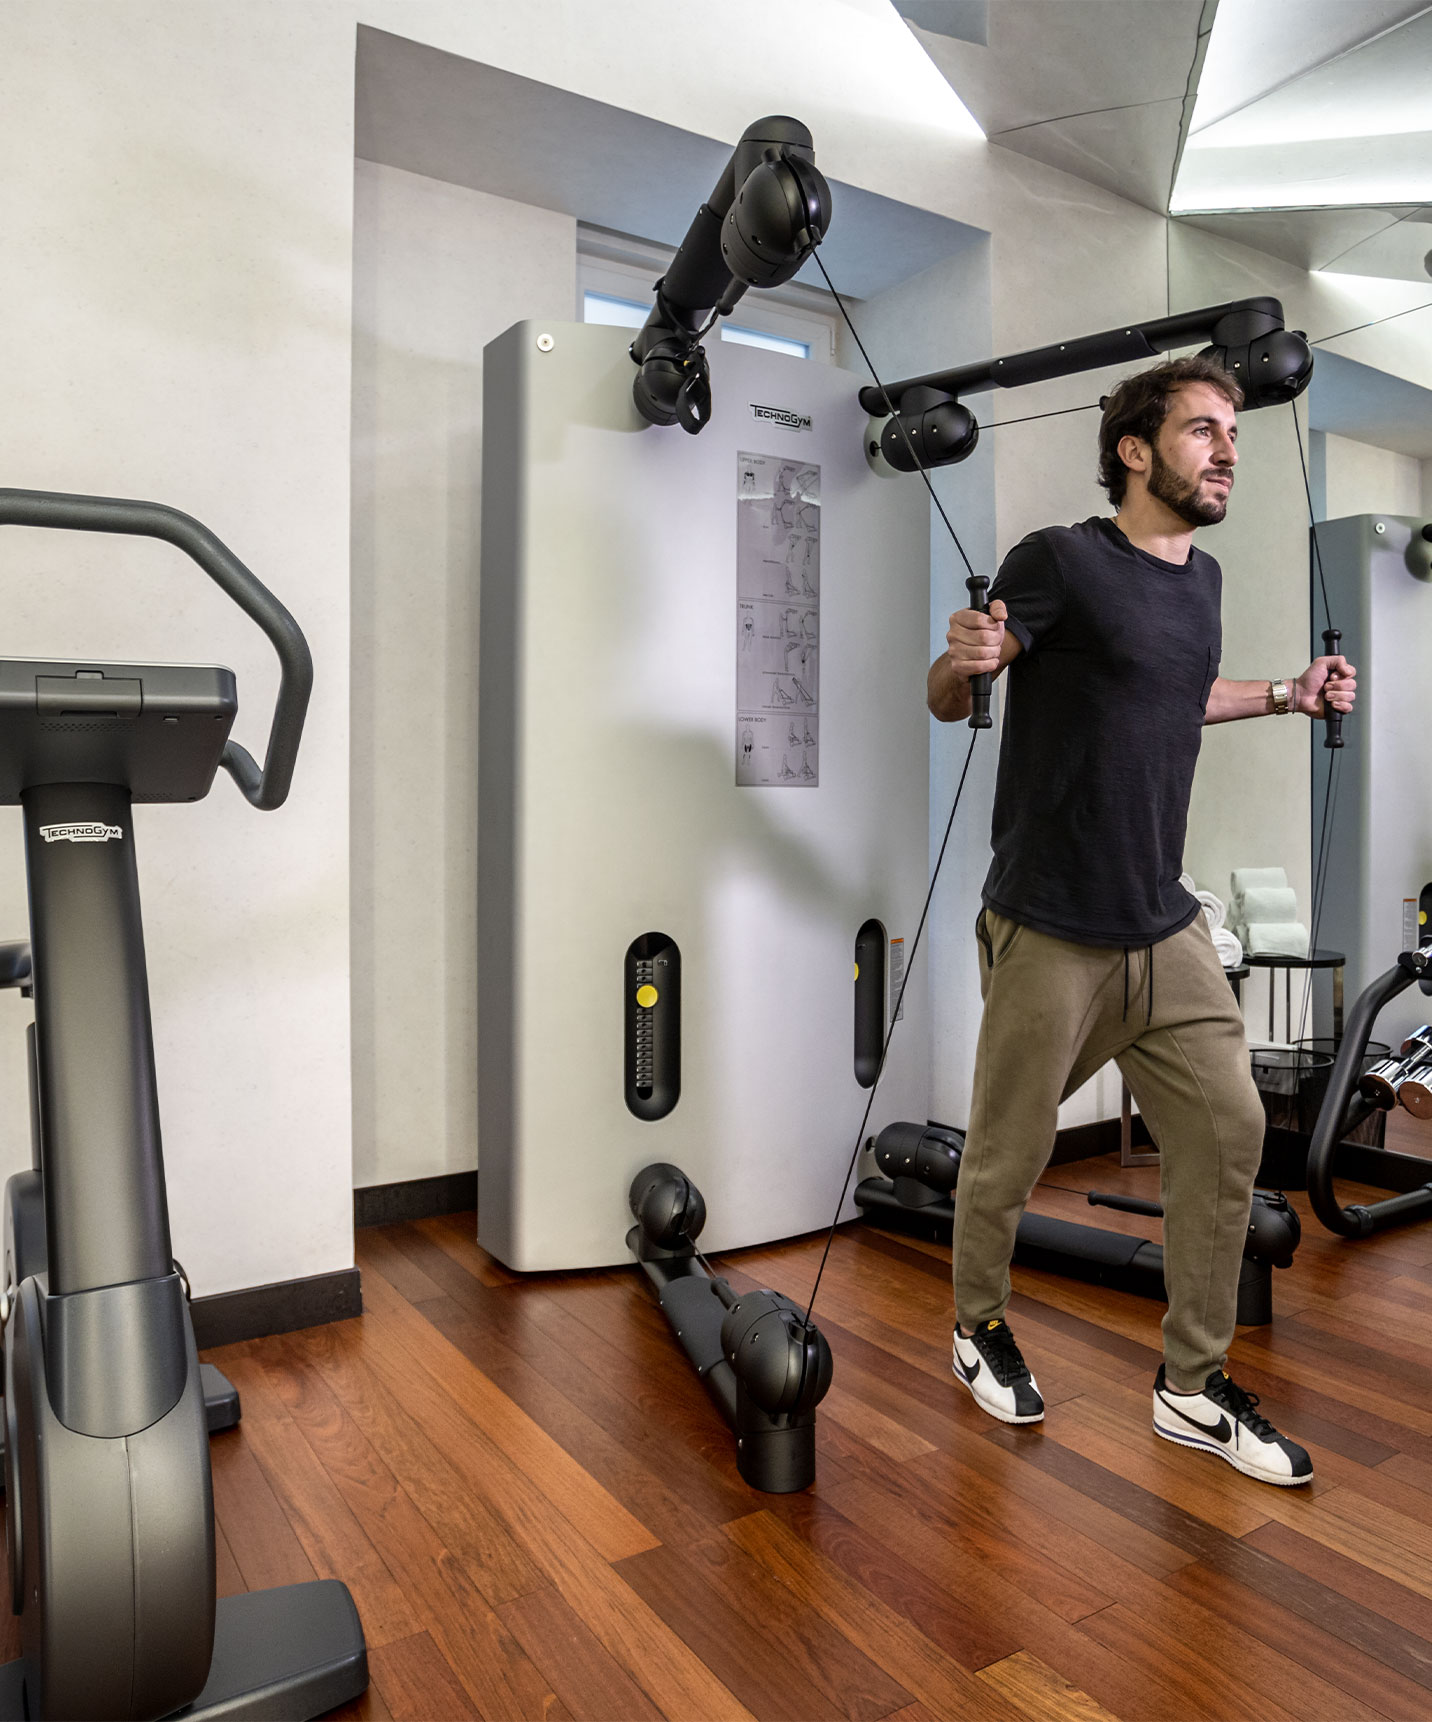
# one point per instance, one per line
(284, 1307)
(414, 1199)
(1088, 1141)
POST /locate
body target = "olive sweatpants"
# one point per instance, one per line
(1054, 1012)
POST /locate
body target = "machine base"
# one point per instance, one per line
(1285, 1163)
(1087, 1253)
(221, 1399)
(281, 1655)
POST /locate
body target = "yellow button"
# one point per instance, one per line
(1421, 917)
(857, 971)
(646, 996)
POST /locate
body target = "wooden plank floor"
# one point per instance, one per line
(540, 1516)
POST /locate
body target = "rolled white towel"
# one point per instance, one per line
(1257, 878)
(1189, 883)
(1268, 903)
(1230, 951)
(1213, 908)
(1277, 938)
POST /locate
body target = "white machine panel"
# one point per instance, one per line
(610, 748)
(1380, 846)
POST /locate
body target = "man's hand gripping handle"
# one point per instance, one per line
(1332, 639)
(980, 686)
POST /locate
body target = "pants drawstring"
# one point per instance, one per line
(1126, 984)
(1149, 1019)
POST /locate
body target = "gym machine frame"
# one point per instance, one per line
(1345, 1106)
(108, 1493)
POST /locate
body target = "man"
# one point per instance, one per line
(1110, 632)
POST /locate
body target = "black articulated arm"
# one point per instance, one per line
(268, 788)
(1247, 336)
(769, 211)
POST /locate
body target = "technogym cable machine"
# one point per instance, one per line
(108, 1500)
(926, 425)
(765, 1365)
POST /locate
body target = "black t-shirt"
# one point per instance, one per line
(1103, 722)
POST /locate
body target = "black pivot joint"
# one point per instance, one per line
(764, 1364)
(770, 209)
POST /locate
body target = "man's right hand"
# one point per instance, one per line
(976, 639)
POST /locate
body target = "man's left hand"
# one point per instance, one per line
(1326, 684)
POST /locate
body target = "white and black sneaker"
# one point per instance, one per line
(1223, 1419)
(989, 1364)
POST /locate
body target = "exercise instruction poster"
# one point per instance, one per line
(777, 622)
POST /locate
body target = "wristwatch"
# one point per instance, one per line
(1282, 696)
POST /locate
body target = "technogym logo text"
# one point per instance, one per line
(78, 832)
(781, 416)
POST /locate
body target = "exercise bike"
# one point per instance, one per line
(108, 1499)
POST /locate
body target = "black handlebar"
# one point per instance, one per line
(1332, 639)
(980, 686)
(1125, 1204)
(268, 788)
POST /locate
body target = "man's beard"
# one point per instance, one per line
(1181, 497)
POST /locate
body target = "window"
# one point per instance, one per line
(772, 343)
(616, 277)
(632, 313)
(607, 308)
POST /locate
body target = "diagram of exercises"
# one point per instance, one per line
(777, 622)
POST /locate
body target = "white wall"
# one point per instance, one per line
(1364, 479)
(176, 274)
(438, 272)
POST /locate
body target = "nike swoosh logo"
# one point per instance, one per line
(969, 1374)
(1220, 1431)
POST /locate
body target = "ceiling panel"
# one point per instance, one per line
(1355, 130)
(1401, 251)
(1130, 152)
(1310, 238)
(1306, 175)
(1382, 87)
(1259, 45)
(1048, 59)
